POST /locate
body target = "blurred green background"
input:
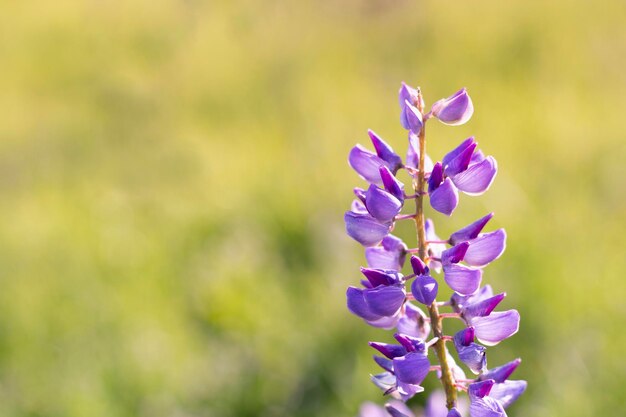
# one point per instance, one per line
(174, 176)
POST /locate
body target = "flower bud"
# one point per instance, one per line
(454, 110)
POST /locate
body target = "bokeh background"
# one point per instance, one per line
(173, 178)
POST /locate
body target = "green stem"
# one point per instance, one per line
(447, 379)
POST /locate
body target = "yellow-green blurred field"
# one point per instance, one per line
(173, 179)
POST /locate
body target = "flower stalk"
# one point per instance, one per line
(384, 300)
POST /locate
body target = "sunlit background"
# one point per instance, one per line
(173, 178)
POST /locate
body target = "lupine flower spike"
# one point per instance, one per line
(407, 302)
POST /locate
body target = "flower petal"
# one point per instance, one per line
(390, 255)
(454, 110)
(461, 161)
(445, 198)
(424, 288)
(369, 409)
(385, 152)
(470, 231)
(462, 279)
(398, 409)
(411, 118)
(486, 248)
(366, 164)
(389, 350)
(365, 229)
(502, 373)
(497, 326)
(482, 308)
(486, 407)
(381, 205)
(455, 254)
(480, 389)
(412, 368)
(358, 306)
(391, 183)
(384, 301)
(378, 277)
(477, 178)
(414, 322)
(436, 177)
(474, 356)
(507, 392)
(418, 266)
(407, 93)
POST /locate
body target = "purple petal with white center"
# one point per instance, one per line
(391, 183)
(366, 164)
(411, 344)
(407, 93)
(381, 205)
(411, 118)
(424, 288)
(445, 198)
(458, 150)
(436, 177)
(464, 337)
(386, 323)
(462, 279)
(461, 161)
(502, 373)
(390, 255)
(359, 193)
(507, 392)
(455, 254)
(454, 110)
(478, 177)
(486, 407)
(413, 154)
(382, 277)
(358, 207)
(482, 308)
(496, 327)
(389, 350)
(474, 356)
(358, 306)
(412, 368)
(407, 391)
(398, 409)
(414, 322)
(480, 389)
(386, 364)
(384, 301)
(365, 229)
(486, 248)
(385, 152)
(470, 231)
(418, 266)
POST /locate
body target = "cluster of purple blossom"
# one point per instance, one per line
(383, 300)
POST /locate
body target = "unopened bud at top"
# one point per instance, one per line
(454, 110)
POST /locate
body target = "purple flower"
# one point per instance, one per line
(382, 205)
(367, 164)
(507, 392)
(389, 255)
(364, 228)
(380, 301)
(470, 353)
(413, 322)
(408, 367)
(467, 169)
(454, 110)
